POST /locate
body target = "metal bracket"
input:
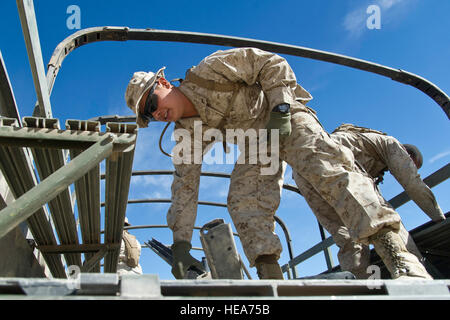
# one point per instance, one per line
(220, 250)
(140, 286)
(45, 287)
(9, 122)
(83, 125)
(89, 264)
(98, 284)
(416, 287)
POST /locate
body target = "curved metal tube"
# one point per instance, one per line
(204, 174)
(96, 34)
(160, 226)
(287, 235)
(162, 200)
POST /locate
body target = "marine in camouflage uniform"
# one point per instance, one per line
(129, 254)
(262, 81)
(376, 153)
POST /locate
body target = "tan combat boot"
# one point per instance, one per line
(402, 264)
(268, 268)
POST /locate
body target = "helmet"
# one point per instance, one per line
(138, 85)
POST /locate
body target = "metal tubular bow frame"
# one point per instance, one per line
(96, 34)
(107, 33)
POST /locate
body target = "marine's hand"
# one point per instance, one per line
(182, 259)
(280, 121)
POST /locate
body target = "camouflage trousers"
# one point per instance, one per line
(331, 171)
(353, 256)
(252, 202)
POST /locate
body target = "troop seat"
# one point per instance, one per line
(63, 158)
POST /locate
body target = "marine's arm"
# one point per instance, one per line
(405, 172)
(270, 71)
(254, 66)
(186, 181)
(187, 159)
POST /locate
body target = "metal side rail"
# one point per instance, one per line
(112, 286)
(61, 208)
(87, 191)
(17, 169)
(117, 185)
(22, 176)
(116, 144)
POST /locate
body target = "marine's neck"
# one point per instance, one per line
(188, 107)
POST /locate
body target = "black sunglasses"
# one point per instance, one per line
(151, 104)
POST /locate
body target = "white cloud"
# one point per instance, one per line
(162, 181)
(386, 4)
(355, 22)
(439, 156)
(155, 195)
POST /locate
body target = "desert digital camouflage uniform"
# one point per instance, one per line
(353, 256)
(252, 199)
(266, 80)
(376, 153)
(130, 251)
(252, 202)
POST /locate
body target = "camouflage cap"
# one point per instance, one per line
(139, 83)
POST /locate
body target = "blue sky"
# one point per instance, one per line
(414, 36)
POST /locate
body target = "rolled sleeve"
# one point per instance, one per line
(251, 66)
